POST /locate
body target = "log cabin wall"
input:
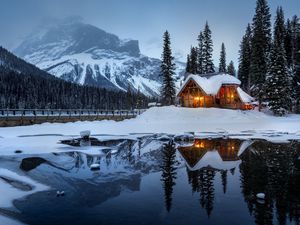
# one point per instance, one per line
(227, 97)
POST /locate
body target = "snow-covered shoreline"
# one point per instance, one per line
(171, 120)
(203, 122)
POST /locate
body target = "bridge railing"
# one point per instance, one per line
(5, 113)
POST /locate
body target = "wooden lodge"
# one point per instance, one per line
(214, 90)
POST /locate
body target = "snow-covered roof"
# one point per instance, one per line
(210, 84)
(213, 159)
(244, 96)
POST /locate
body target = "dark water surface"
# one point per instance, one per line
(154, 181)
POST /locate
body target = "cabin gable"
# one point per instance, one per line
(192, 95)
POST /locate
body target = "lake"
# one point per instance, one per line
(155, 180)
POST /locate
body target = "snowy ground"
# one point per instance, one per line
(209, 122)
(173, 120)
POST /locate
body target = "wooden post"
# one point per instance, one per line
(188, 97)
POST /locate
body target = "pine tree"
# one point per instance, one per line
(288, 44)
(222, 64)
(167, 72)
(188, 66)
(231, 69)
(169, 174)
(244, 60)
(261, 43)
(278, 85)
(295, 67)
(193, 61)
(208, 65)
(200, 53)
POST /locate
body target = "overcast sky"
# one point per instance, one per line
(144, 20)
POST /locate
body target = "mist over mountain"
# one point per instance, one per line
(87, 55)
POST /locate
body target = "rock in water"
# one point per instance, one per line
(95, 166)
(60, 193)
(260, 195)
(113, 151)
(85, 134)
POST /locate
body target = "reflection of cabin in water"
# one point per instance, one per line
(215, 153)
(213, 90)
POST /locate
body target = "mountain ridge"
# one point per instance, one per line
(87, 55)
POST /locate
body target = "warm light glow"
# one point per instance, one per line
(232, 96)
(197, 98)
(201, 98)
(199, 144)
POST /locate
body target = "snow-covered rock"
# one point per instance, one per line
(85, 134)
(85, 54)
(260, 195)
(95, 166)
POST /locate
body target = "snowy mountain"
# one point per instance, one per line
(87, 55)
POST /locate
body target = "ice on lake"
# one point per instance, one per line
(150, 179)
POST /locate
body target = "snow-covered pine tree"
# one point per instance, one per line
(167, 72)
(208, 65)
(278, 85)
(231, 68)
(193, 61)
(295, 67)
(200, 53)
(244, 60)
(261, 43)
(288, 44)
(187, 67)
(222, 64)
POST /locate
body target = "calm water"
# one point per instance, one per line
(154, 181)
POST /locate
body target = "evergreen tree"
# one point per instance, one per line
(222, 64)
(169, 174)
(193, 61)
(288, 44)
(231, 69)
(295, 67)
(261, 43)
(278, 86)
(167, 72)
(200, 53)
(224, 180)
(244, 60)
(208, 65)
(188, 64)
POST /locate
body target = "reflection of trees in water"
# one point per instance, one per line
(273, 169)
(224, 180)
(169, 173)
(202, 181)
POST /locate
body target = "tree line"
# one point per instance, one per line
(269, 65)
(21, 91)
(23, 85)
